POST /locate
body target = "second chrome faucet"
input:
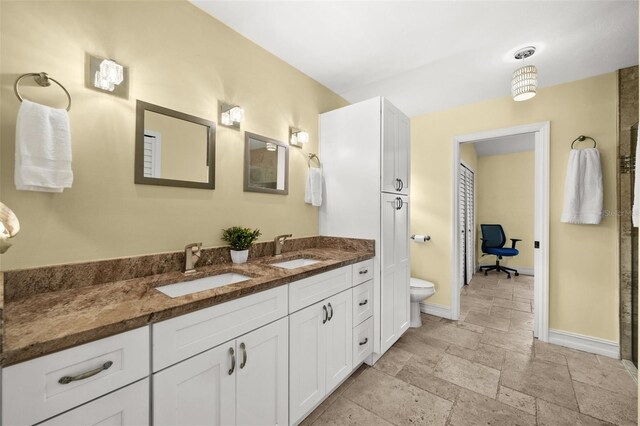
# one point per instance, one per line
(279, 243)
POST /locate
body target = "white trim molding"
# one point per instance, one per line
(435, 310)
(584, 343)
(541, 131)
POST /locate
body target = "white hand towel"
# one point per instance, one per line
(635, 215)
(583, 192)
(43, 149)
(313, 189)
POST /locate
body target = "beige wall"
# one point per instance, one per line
(505, 195)
(583, 258)
(180, 58)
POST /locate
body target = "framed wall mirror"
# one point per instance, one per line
(266, 165)
(173, 148)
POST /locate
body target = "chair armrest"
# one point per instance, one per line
(514, 241)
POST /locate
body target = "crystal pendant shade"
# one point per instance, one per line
(524, 83)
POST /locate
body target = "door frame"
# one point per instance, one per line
(541, 130)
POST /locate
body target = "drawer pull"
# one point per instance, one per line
(364, 271)
(244, 355)
(364, 303)
(364, 342)
(68, 379)
(233, 361)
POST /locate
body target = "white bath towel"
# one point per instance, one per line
(583, 188)
(43, 149)
(635, 215)
(313, 189)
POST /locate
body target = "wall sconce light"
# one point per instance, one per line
(231, 115)
(297, 137)
(271, 146)
(107, 75)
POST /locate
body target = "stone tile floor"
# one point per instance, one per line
(485, 369)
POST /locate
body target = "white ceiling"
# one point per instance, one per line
(432, 55)
(505, 145)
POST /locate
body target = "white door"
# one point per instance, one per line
(394, 309)
(198, 391)
(402, 276)
(128, 406)
(395, 150)
(262, 385)
(470, 225)
(307, 359)
(339, 344)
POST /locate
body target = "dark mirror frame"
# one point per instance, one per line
(247, 155)
(141, 107)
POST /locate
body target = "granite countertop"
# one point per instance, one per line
(51, 321)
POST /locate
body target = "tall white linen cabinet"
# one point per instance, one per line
(364, 150)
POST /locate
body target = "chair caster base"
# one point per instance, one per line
(517, 274)
(508, 276)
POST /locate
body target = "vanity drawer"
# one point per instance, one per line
(128, 406)
(362, 271)
(187, 335)
(362, 302)
(31, 391)
(362, 341)
(310, 290)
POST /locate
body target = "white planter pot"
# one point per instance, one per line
(239, 256)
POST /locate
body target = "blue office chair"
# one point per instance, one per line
(493, 239)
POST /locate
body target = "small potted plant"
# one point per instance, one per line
(240, 239)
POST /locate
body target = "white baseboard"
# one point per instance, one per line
(584, 343)
(521, 271)
(436, 310)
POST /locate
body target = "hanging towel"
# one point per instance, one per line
(635, 215)
(583, 188)
(313, 189)
(43, 149)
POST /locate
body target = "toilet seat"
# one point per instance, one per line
(418, 283)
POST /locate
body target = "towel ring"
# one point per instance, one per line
(311, 157)
(581, 138)
(43, 80)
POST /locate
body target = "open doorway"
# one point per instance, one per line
(523, 143)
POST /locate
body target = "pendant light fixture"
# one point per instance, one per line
(524, 81)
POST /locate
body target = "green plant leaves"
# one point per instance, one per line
(240, 238)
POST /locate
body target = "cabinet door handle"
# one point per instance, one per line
(364, 271)
(325, 315)
(330, 314)
(401, 185)
(68, 379)
(244, 355)
(364, 303)
(398, 184)
(399, 203)
(364, 342)
(232, 354)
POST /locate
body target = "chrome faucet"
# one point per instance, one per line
(279, 243)
(192, 254)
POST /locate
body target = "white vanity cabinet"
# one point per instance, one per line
(321, 351)
(241, 382)
(396, 269)
(128, 406)
(395, 150)
(41, 388)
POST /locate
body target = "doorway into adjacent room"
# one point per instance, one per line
(508, 212)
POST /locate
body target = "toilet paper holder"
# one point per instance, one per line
(421, 238)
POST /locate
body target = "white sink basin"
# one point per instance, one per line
(295, 263)
(214, 281)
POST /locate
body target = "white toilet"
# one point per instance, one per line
(420, 290)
